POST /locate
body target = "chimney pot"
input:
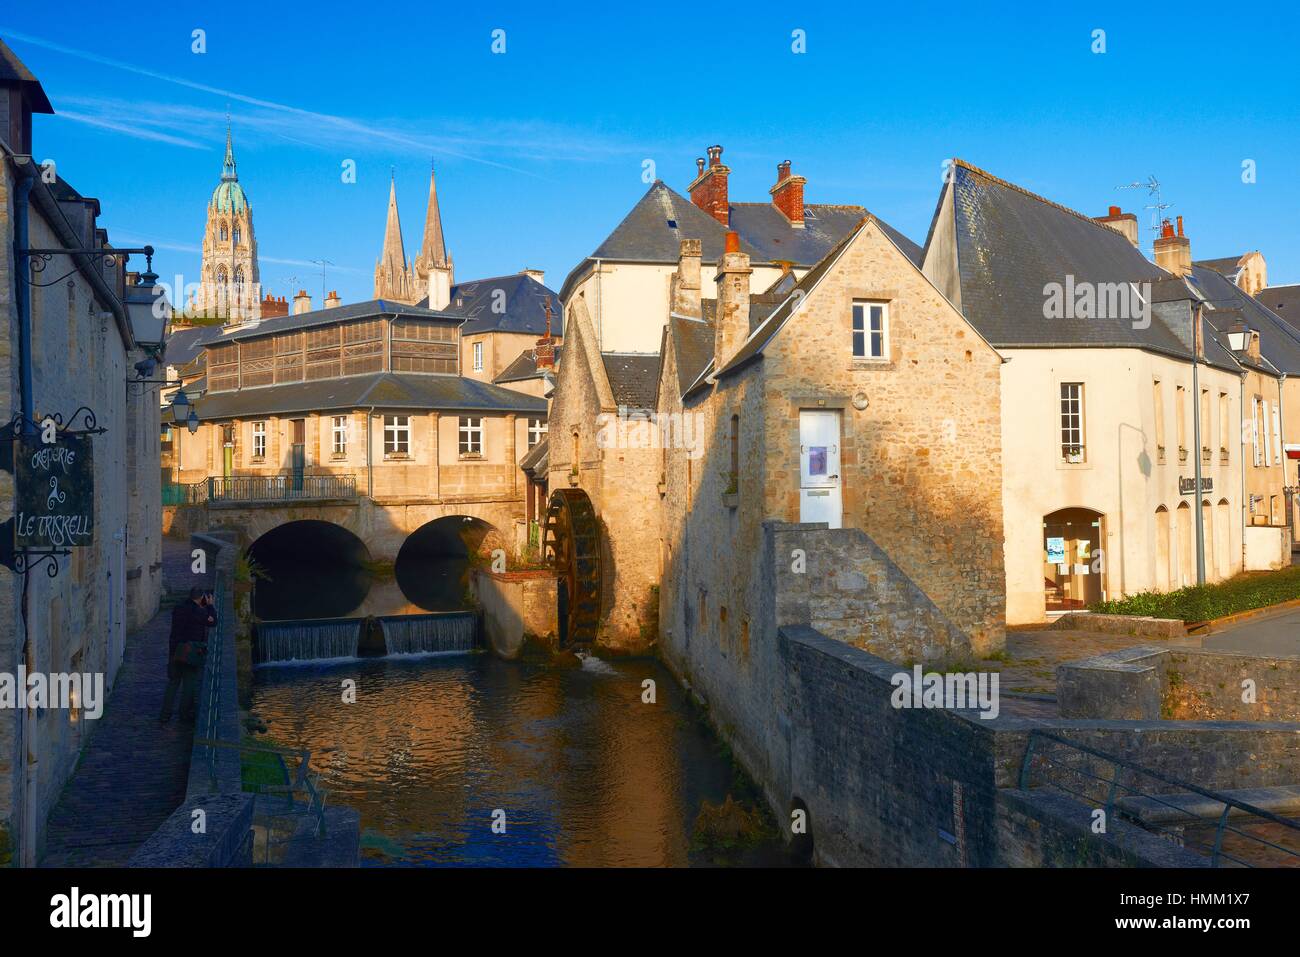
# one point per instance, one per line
(1180, 225)
(699, 165)
(1114, 211)
(709, 189)
(733, 241)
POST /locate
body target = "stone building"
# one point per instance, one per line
(84, 352)
(857, 397)
(1099, 409)
(231, 286)
(371, 392)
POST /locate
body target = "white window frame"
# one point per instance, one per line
(861, 325)
(477, 348)
(1071, 423)
(1254, 431)
(339, 435)
(470, 435)
(397, 435)
(259, 440)
(537, 429)
(1278, 457)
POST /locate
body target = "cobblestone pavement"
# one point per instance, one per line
(132, 773)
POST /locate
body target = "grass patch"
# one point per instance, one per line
(260, 769)
(1243, 593)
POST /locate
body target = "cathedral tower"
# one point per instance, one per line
(229, 277)
(434, 274)
(393, 277)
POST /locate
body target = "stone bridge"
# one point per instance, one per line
(383, 524)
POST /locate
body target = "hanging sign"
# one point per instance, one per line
(54, 504)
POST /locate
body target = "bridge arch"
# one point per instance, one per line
(309, 564)
(433, 564)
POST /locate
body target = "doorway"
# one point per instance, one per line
(1072, 567)
(819, 467)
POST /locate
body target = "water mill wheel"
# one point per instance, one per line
(571, 543)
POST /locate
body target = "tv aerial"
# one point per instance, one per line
(1158, 206)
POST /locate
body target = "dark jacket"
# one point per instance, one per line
(190, 622)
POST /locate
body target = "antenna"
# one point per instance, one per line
(322, 263)
(1152, 186)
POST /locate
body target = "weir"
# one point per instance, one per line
(311, 640)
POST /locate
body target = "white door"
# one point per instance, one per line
(819, 466)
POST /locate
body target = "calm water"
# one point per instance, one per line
(585, 772)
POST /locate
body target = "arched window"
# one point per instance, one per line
(239, 277)
(236, 235)
(224, 233)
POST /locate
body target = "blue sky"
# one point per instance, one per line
(540, 150)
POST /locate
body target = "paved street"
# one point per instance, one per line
(1272, 635)
(132, 773)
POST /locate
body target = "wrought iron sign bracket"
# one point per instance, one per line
(40, 258)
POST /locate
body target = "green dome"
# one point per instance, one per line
(229, 197)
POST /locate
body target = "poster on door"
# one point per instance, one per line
(817, 460)
(1055, 551)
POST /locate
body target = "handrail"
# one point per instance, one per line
(1114, 786)
(283, 487)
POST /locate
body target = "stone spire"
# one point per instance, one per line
(393, 272)
(228, 174)
(433, 271)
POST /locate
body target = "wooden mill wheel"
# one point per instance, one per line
(571, 543)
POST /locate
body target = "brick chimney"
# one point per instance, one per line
(787, 194)
(301, 302)
(709, 189)
(333, 301)
(1173, 249)
(1122, 222)
(731, 326)
(685, 292)
(544, 353)
(273, 306)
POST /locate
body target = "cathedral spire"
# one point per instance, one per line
(393, 278)
(228, 174)
(433, 251)
(394, 251)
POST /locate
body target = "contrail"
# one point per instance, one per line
(342, 123)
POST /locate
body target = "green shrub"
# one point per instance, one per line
(1201, 603)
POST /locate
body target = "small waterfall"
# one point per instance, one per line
(307, 640)
(424, 634)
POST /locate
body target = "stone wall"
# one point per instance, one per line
(519, 608)
(1184, 684)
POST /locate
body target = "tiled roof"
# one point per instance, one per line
(692, 345)
(522, 297)
(1282, 301)
(534, 461)
(525, 367)
(13, 69)
(320, 317)
(633, 377)
(186, 345)
(1279, 341)
(386, 390)
(654, 228)
(1227, 266)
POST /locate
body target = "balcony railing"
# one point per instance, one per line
(261, 488)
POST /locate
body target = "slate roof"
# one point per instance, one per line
(654, 228)
(525, 367)
(535, 460)
(633, 377)
(386, 390)
(186, 345)
(13, 69)
(692, 345)
(524, 299)
(1282, 301)
(1279, 341)
(320, 317)
(1227, 266)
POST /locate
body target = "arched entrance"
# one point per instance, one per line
(313, 569)
(1162, 549)
(1186, 548)
(1072, 571)
(1222, 538)
(433, 564)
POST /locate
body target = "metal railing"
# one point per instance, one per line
(287, 487)
(279, 488)
(210, 706)
(1181, 823)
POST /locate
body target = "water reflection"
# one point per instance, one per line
(586, 773)
(299, 589)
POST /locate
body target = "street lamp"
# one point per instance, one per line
(1237, 333)
(183, 412)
